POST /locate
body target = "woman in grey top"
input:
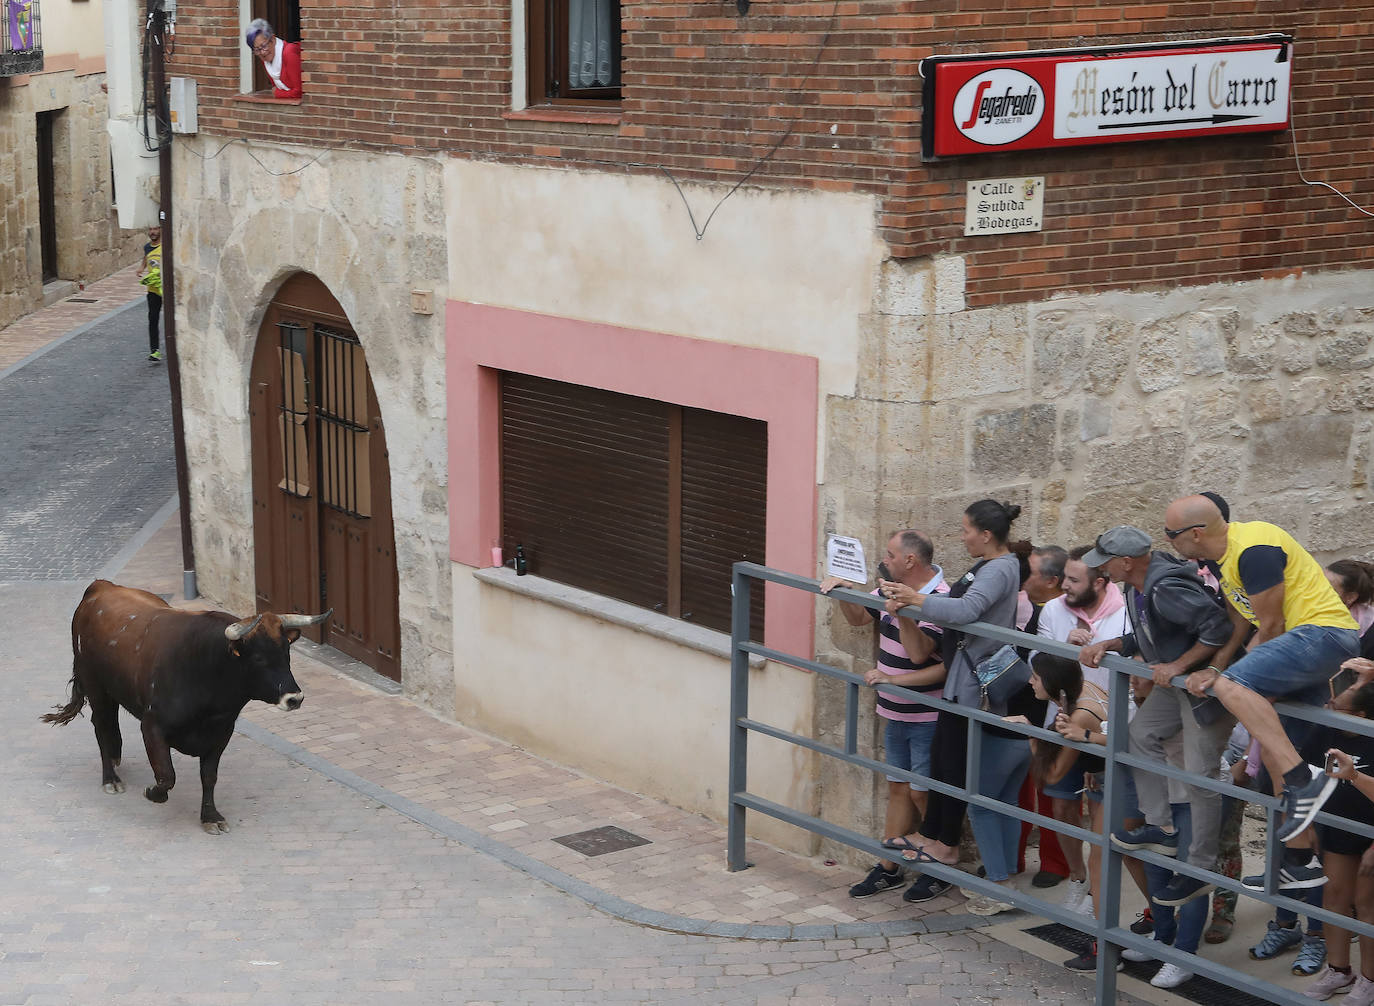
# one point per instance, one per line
(986, 593)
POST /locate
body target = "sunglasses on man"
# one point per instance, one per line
(1171, 534)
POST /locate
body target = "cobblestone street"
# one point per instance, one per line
(376, 852)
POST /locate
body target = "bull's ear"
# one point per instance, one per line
(292, 635)
(234, 650)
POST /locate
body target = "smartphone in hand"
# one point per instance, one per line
(1342, 680)
(1332, 767)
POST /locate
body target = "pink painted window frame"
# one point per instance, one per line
(779, 388)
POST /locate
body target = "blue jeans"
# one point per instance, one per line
(907, 746)
(1180, 926)
(1002, 770)
(1288, 918)
(1296, 664)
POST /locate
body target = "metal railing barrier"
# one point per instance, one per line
(1110, 934)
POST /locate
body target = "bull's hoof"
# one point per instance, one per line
(219, 827)
(156, 795)
(113, 787)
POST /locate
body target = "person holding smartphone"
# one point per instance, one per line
(908, 655)
(1349, 859)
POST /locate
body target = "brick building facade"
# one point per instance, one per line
(1190, 312)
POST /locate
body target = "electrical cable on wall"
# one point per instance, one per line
(1293, 138)
(791, 125)
(249, 151)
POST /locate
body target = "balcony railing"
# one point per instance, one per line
(21, 38)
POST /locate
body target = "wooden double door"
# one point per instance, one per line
(322, 527)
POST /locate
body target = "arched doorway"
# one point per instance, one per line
(322, 529)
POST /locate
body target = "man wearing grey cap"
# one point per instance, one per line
(1175, 626)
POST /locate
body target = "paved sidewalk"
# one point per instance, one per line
(36, 331)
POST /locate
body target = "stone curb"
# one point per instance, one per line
(601, 900)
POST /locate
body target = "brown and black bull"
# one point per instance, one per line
(186, 675)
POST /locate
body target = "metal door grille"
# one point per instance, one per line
(341, 407)
(294, 420)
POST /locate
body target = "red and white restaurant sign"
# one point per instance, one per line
(1071, 97)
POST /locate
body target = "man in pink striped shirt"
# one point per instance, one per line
(908, 655)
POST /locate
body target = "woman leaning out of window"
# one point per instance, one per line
(281, 60)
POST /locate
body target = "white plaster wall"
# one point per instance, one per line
(370, 227)
(71, 27)
(640, 711)
(788, 271)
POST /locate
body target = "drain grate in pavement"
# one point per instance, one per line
(83, 300)
(599, 841)
(1197, 989)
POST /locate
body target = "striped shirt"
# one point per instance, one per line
(893, 659)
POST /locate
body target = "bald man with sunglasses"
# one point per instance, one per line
(1303, 632)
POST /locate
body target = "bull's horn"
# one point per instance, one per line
(240, 629)
(301, 621)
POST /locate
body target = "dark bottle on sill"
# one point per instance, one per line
(522, 565)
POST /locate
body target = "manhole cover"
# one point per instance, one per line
(1197, 989)
(599, 841)
(83, 300)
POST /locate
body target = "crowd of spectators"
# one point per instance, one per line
(1240, 618)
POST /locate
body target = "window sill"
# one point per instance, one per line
(608, 609)
(555, 113)
(261, 98)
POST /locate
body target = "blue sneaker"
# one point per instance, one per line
(1147, 837)
(877, 881)
(1312, 956)
(1276, 941)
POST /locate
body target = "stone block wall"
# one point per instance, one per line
(90, 243)
(1089, 412)
(371, 228)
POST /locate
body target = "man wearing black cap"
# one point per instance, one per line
(1176, 625)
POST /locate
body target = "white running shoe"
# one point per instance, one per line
(1170, 976)
(1077, 897)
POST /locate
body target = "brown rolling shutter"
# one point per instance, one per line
(584, 487)
(724, 509)
(639, 500)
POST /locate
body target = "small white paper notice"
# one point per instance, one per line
(844, 557)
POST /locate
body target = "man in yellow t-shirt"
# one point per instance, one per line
(1303, 634)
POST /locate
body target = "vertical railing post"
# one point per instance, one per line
(851, 718)
(1273, 851)
(739, 710)
(1113, 811)
(973, 755)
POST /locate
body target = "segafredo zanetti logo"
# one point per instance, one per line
(998, 106)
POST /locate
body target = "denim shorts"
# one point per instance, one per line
(908, 748)
(1123, 774)
(1068, 788)
(1297, 664)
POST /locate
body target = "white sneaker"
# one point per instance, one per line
(1137, 956)
(1170, 976)
(1361, 994)
(1077, 897)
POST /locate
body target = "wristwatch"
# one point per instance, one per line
(1086, 735)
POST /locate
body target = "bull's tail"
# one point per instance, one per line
(69, 712)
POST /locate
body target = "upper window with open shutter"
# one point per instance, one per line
(644, 501)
